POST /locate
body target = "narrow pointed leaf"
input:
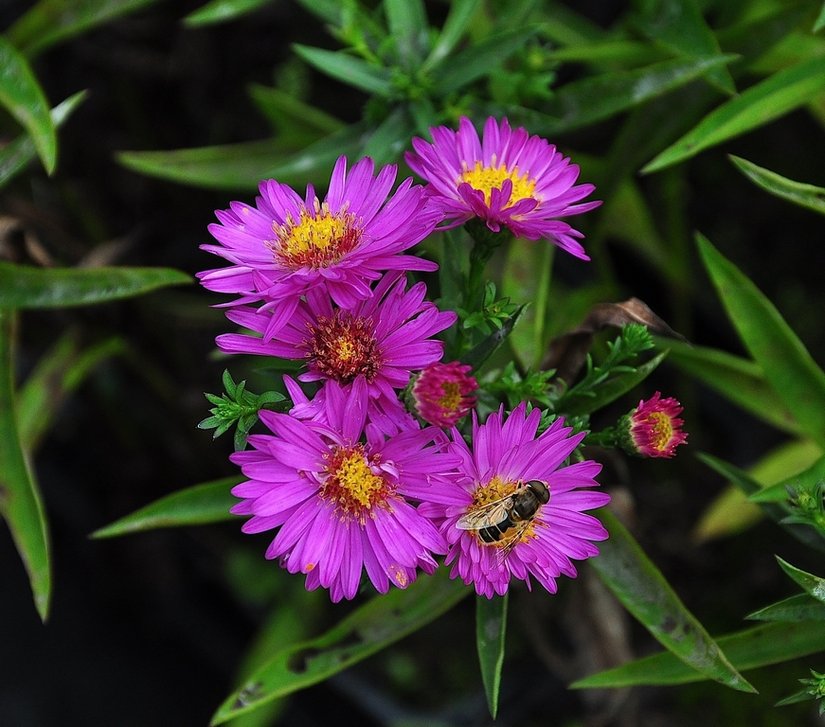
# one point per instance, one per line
(738, 379)
(20, 502)
(468, 65)
(679, 25)
(290, 115)
(801, 607)
(641, 587)
(477, 355)
(592, 99)
(786, 363)
(53, 21)
(812, 585)
(198, 505)
(491, 627)
(370, 628)
(763, 645)
(219, 11)
(22, 96)
(807, 479)
(17, 154)
(820, 21)
(407, 22)
(757, 106)
(57, 374)
(806, 195)
(610, 390)
(25, 286)
(390, 138)
(347, 69)
(455, 26)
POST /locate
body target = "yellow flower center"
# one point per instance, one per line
(451, 399)
(661, 430)
(351, 484)
(316, 240)
(485, 179)
(494, 491)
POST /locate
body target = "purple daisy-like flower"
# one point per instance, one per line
(513, 511)
(338, 492)
(441, 393)
(653, 429)
(284, 245)
(507, 179)
(381, 339)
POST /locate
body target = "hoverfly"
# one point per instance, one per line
(508, 517)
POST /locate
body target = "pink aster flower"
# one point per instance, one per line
(440, 393)
(284, 246)
(513, 510)
(338, 492)
(652, 429)
(509, 178)
(381, 339)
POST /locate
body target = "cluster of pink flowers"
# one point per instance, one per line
(353, 480)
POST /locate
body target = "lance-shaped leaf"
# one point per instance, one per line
(22, 96)
(53, 21)
(474, 62)
(290, 115)
(679, 25)
(20, 502)
(25, 286)
(491, 628)
(592, 99)
(771, 643)
(370, 628)
(641, 587)
(758, 105)
(219, 11)
(785, 361)
(407, 22)
(806, 195)
(18, 153)
(348, 69)
(801, 607)
(57, 374)
(820, 21)
(805, 480)
(579, 403)
(455, 26)
(205, 503)
(811, 584)
(736, 378)
(479, 353)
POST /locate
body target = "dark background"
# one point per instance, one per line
(149, 629)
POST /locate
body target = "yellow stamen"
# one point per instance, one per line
(452, 396)
(485, 179)
(315, 240)
(661, 430)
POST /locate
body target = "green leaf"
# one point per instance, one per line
(17, 154)
(758, 105)
(679, 25)
(477, 355)
(228, 166)
(763, 645)
(292, 116)
(805, 195)
(804, 480)
(205, 503)
(595, 98)
(407, 22)
(472, 63)
(491, 626)
(812, 585)
(820, 21)
(53, 21)
(455, 26)
(640, 586)
(579, 403)
(378, 623)
(738, 379)
(801, 607)
(21, 94)
(219, 11)
(20, 501)
(787, 365)
(59, 372)
(25, 286)
(390, 138)
(348, 69)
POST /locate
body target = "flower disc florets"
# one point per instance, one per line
(508, 178)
